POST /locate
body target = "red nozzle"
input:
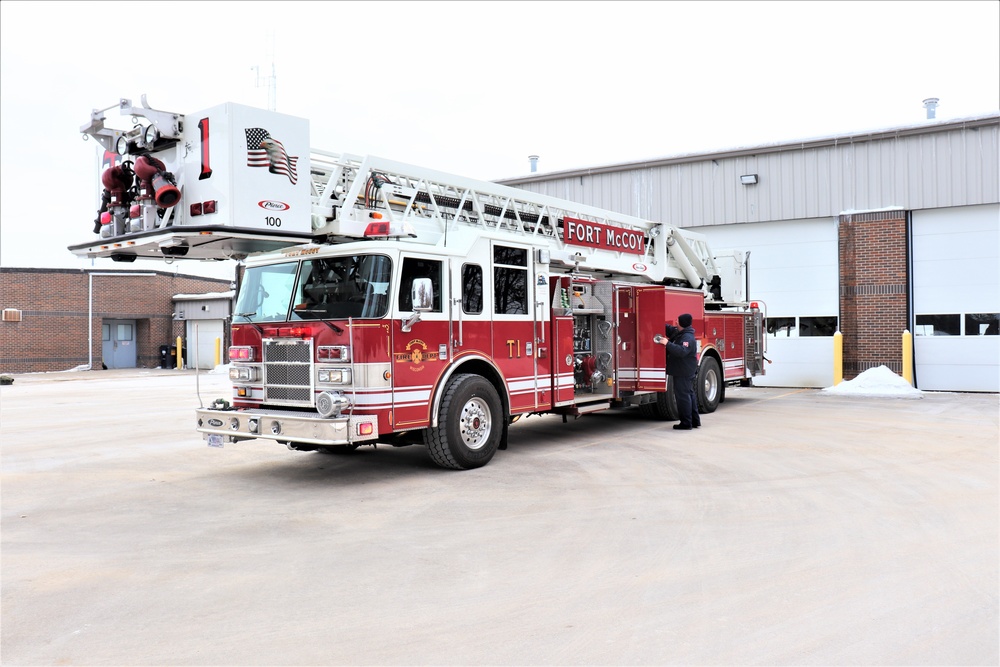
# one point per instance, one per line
(116, 180)
(154, 172)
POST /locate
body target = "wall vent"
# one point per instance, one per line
(11, 315)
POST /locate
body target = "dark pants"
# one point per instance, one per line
(687, 404)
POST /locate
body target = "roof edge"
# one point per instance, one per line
(971, 122)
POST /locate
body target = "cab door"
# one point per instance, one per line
(515, 325)
(420, 342)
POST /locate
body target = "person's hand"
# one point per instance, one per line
(658, 339)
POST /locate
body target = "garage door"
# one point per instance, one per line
(956, 298)
(201, 337)
(793, 271)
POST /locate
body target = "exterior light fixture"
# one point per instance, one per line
(748, 179)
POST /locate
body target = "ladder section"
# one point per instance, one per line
(375, 197)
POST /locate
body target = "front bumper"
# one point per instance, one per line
(287, 426)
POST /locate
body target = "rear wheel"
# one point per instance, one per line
(469, 424)
(709, 385)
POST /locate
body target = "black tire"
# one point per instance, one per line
(709, 386)
(665, 407)
(470, 424)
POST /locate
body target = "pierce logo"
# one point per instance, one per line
(271, 205)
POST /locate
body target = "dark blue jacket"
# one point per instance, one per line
(682, 353)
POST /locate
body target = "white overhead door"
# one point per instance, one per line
(201, 342)
(794, 273)
(956, 298)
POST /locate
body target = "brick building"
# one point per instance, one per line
(62, 319)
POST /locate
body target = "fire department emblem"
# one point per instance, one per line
(416, 354)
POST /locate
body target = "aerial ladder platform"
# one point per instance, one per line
(234, 181)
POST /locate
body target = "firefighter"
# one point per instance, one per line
(682, 365)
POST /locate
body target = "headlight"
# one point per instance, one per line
(335, 375)
(243, 373)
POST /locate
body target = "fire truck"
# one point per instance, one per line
(384, 303)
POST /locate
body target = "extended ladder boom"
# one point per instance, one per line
(191, 186)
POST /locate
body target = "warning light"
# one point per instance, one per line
(210, 206)
(375, 215)
(196, 209)
(754, 305)
(377, 229)
(241, 353)
(366, 428)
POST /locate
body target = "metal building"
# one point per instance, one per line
(872, 234)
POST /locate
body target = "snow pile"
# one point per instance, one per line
(221, 369)
(876, 382)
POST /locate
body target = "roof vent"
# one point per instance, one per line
(931, 105)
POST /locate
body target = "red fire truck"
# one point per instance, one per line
(381, 302)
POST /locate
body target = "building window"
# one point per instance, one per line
(781, 327)
(105, 332)
(510, 280)
(472, 289)
(938, 325)
(982, 324)
(817, 326)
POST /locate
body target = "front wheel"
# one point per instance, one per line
(709, 385)
(469, 424)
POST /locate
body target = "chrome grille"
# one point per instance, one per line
(288, 371)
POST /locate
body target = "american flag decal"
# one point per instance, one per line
(265, 151)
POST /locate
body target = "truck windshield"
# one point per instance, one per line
(326, 288)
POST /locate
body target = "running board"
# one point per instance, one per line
(581, 409)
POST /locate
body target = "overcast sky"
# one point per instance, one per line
(471, 88)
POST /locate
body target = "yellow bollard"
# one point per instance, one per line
(838, 358)
(218, 351)
(908, 357)
(180, 360)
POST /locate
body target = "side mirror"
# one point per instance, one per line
(422, 298)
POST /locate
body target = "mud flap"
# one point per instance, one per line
(503, 434)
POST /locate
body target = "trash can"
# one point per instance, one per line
(164, 356)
